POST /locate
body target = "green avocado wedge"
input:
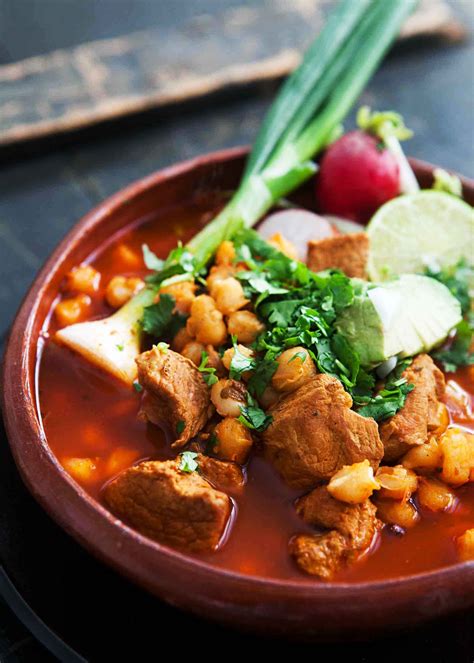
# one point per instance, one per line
(403, 317)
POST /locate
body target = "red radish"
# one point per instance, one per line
(298, 226)
(357, 174)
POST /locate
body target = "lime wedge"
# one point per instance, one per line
(412, 232)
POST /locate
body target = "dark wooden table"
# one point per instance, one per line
(43, 193)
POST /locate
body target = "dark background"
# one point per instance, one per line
(45, 191)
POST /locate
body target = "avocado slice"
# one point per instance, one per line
(403, 317)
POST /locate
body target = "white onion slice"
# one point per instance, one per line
(345, 226)
(298, 226)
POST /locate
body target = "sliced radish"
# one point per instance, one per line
(298, 226)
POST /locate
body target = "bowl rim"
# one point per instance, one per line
(62, 497)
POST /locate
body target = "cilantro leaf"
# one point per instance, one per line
(188, 461)
(253, 416)
(347, 356)
(391, 398)
(280, 313)
(262, 375)
(179, 262)
(457, 279)
(157, 317)
(159, 321)
(458, 354)
(240, 363)
(208, 372)
(387, 403)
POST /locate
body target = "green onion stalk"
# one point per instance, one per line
(305, 117)
(307, 112)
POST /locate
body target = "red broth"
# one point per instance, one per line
(87, 414)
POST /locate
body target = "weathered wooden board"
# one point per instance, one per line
(107, 79)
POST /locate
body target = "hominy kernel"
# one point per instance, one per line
(228, 397)
(434, 495)
(228, 295)
(121, 289)
(245, 326)
(295, 367)
(206, 323)
(72, 310)
(353, 483)
(234, 440)
(465, 545)
(84, 278)
(457, 447)
(83, 470)
(183, 294)
(225, 253)
(424, 457)
(396, 483)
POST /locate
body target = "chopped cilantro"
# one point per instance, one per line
(458, 280)
(138, 387)
(253, 416)
(179, 261)
(188, 461)
(208, 372)
(180, 426)
(158, 316)
(299, 308)
(262, 375)
(240, 363)
(119, 347)
(279, 313)
(159, 320)
(389, 400)
(458, 353)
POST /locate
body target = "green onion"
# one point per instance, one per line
(307, 111)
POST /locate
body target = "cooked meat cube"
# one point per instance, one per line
(175, 508)
(352, 528)
(314, 433)
(175, 395)
(222, 475)
(357, 522)
(349, 253)
(410, 426)
(320, 555)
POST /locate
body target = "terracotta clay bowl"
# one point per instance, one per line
(309, 610)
